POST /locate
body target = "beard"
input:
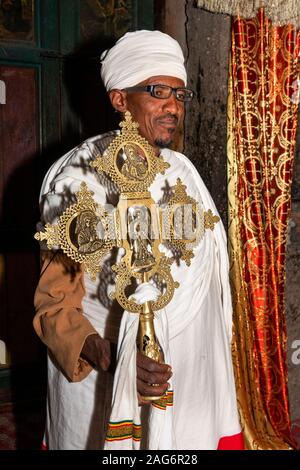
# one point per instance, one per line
(166, 142)
(163, 143)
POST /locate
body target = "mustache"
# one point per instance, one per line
(168, 118)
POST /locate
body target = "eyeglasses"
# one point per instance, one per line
(163, 92)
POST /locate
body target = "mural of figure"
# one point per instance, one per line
(140, 242)
(86, 232)
(105, 18)
(135, 166)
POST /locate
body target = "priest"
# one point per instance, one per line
(95, 385)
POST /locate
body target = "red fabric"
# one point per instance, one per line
(235, 442)
(264, 86)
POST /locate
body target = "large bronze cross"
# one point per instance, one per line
(86, 231)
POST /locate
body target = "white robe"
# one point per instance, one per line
(199, 322)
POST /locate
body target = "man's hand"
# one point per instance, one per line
(151, 372)
(97, 352)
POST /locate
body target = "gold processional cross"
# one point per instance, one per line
(86, 231)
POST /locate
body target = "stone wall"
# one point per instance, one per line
(293, 292)
(208, 43)
(205, 40)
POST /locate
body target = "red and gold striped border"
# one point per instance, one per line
(121, 430)
(166, 400)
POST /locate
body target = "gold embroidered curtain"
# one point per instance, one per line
(262, 123)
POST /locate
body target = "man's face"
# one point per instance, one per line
(158, 118)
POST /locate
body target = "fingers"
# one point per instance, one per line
(142, 401)
(156, 390)
(96, 351)
(151, 371)
(152, 377)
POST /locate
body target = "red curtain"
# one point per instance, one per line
(262, 123)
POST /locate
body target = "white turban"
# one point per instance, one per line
(139, 55)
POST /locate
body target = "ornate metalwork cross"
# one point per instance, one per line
(86, 232)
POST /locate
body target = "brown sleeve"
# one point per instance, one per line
(59, 321)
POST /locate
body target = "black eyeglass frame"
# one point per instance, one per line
(150, 89)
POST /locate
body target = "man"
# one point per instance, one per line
(144, 73)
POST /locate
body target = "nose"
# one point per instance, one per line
(173, 106)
